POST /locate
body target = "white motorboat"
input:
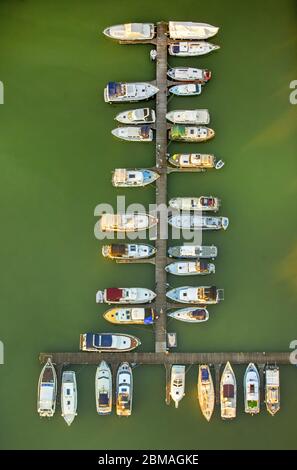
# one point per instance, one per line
(69, 396)
(193, 251)
(190, 268)
(190, 30)
(103, 389)
(197, 161)
(228, 393)
(272, 389)
(188, 74)
(131, 251)
(134, 134)
(190, 314)
(251, 385)
(189, 116)
(206, 394)
(198, 222)
(202, 203)
(131, 31)
(187, 89)
(129, 222)
(204, 295)
(120, 92)
(47, 390)
(123, 178)
(177, 383)
(125, 295)
(181, 133)
(191, 48)
(124, 390)
(137, 116)
(107, 342)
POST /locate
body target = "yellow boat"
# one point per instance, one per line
(131, 316)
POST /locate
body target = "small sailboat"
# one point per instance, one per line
(131, 316)
(202, 203)
(69, 396)
(103, 389)
(107, 342)
(206, 394)
(47, 390)
(189, 116)
(190, 268)
(125, 295)
(177, 383)
(193, 251)
(191, 48)
(188, 74)
(137, 116)
(182, 133)
(128, 222)
(204, 295)
(228, 392)
(122, 178)
(251, 384)
(198, 161)
(190, 30)
(124, 390)
(131, 31)
(272, 389)
(130, 251)
(190, 314)
(134, 134)
(188, 89)
(119, 92)
(198, 222)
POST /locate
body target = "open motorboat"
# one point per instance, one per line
(128, 251)
(137, 116)
(134, 134)
(191, 48)
(125, 295)
(202, 203)
(188, 89)
(124, 390)
(131, 31)
(123, 178)
(272, 390)
(190, 314)
(182, 133)
(197, 161)
(69, 396)
(190, 268)
(119, 92)
(198, 222)
(189, 116)
(131, 316)
(177, 383)
(193, 251)
(103, 389)
(228, 392)
(205, 295)
(107, 342)
(188, 74)
(206, 394)
(47, 390)
(129, 222)
(190, 30)
(251, 385)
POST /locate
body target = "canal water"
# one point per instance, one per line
(57, 155)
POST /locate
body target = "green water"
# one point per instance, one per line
(57, 155)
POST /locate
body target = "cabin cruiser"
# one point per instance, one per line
(124, 390)
(192, 48)
(69, 396)
(205, 295)
(127, 251)
(198, 222)
(137, 116)
(193, 251)
(47, 390)
(228, 392)
(190, 268)
(188, 89)
(188, 74)
(272, 390)
(122, 178)
(103, 389)
(131, 31)
(134, 134)
(190, 314)
(177, 383)
(129, 222)
(251, 385)
(190, 133)
(202, 203)
(197, 161)
(125, 295)
(206, 394)
(189, 116)
(131, 316)
(119, 92)
(107, 342)
(190, 30)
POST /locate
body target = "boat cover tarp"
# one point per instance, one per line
(204, 374)
(145, 131)
(104, 340)
(114, 294)
(103, 399)
(114, 88)
(117, 249)
(199, 314)
(228, 390)
(148, 316)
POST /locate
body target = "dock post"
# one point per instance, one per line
(167, 370)
(217, 382)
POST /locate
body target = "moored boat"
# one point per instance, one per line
(125, 295)
(127, 251)
(251, 385)
(177, 383)
(47, 390)
(228, 393)
(178, 132)
(137, 116)
(190, 268)
(131, 316)
(202, 203)
(120, 92)
(193, 251)
(131, 31)
(204, 295)
(187, 74)
(69, 396)
(272, 389)
(128, 222)
(107, 342)
(124, 390)
(198, 161)
(134, 134)
(123, 178)
(103, 389)
(189, 116)
(190, 30)
(188, 89)
(191, 48)
(190, 314)
(198, 222)
(206, 394)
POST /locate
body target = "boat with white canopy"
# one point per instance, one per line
(124, 178)
(191, 30)
(189, 116)
(131, 31)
